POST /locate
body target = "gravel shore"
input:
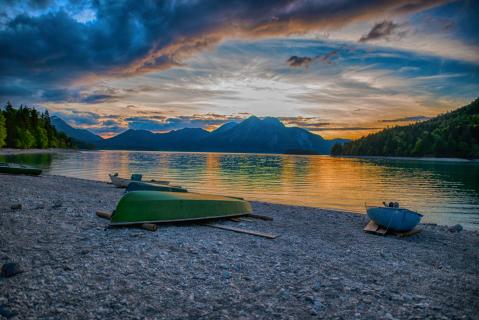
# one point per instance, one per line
(321, 266)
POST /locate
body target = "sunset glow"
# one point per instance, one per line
(339, 72)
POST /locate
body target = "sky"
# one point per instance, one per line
(339, 68)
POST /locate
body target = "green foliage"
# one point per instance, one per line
(27, 128)
(453, 134)
(3, 130)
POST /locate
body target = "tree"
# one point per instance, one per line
(25, 128)
(3, 130)
(453, 134)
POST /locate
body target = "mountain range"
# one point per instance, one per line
(252, 135)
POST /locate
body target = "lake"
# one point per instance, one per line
(446, 192)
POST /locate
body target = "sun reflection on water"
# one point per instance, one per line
(446, 192)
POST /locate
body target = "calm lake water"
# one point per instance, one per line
(446, 192)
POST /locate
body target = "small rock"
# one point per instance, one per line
(455, 228)
(316, 307)
(57, 204)
(16, 206)
(10, 269)
(317, 286)
(7, 313)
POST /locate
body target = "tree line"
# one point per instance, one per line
(453, 134)
(26, 128)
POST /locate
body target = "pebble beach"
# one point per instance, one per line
(69, 265)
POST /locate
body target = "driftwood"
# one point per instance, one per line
(146, 226)
(372, 227)
(240, 230)
(104, 215)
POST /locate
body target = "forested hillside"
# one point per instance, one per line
(453, 134)
(27, 128)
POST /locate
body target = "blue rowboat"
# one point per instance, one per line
(145, 186)
(396, 219)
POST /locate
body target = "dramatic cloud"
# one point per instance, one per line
(382, 30)
(231, 57)
(94, 38)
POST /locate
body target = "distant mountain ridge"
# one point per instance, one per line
(267, 135)
(82, 135)
(453, 134)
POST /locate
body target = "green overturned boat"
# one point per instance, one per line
(13, 168)
(146, 186)
(139, 207)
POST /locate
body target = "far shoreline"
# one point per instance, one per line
(12, 151)
(433, 159)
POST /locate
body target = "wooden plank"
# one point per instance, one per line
(240, 230)
(259, 216)
(149, 226)
(146, 226)
(372, 227)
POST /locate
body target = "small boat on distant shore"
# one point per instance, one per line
(138, 207)
(123, 183)
(392, 217)
(13, 168)
(148, 186)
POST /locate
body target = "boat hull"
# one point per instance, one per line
(396, 219)
(19, 169)
(123, 183)
(146, 186)
(138, 207)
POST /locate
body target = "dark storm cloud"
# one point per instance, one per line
(98, 98)
(295, 61)
(383, 30)
(327, 58)
(59, 95)
(129, 37)
(77, 96)
(14, 90)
